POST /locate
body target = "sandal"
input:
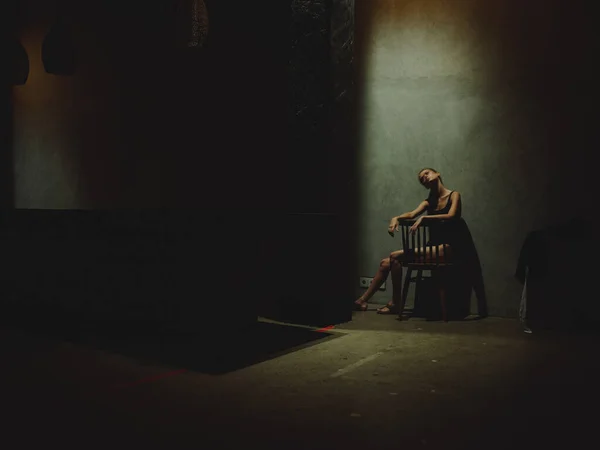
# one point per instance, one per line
(361, 306)
(387, 309)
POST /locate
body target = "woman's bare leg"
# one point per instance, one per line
(380, 277)
(378, 280)
(393, 264)
(396, 259)
(396, 271)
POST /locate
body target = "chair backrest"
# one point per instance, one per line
(421, 239)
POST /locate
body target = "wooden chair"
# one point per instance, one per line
(416, 247)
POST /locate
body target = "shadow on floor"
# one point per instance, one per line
(471, 325)
(213, 352)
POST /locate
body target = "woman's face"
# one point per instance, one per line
(428, 176)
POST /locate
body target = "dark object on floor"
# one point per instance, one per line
(204, 351)
(557, 267)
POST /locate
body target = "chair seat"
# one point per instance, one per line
(427, 266)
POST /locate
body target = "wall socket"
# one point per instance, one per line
(365, 282)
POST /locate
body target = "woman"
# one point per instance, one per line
(441, 203)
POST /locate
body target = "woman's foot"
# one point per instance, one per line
(360, 305)
(387, 309)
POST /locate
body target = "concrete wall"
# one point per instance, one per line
(497, 96)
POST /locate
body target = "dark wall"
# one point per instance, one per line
(6, 162)
(144, 123)
(128, 270)
(10, 46)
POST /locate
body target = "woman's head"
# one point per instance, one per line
(428, 177)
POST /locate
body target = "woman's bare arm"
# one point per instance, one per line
(395, 222)
(415, 213)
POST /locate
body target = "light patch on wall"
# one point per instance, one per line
(422, 74)
(417, 53)
(428, 38)
(45, 173)
(456, 85)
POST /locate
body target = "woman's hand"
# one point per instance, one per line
(394, 226)
(416, 225)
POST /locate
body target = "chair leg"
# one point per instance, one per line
(442, 292)
(404, 293)
(418, 287)
(443, 301)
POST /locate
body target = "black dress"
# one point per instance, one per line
(432, 212)
(443, 234)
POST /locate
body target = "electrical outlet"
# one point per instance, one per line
(365, 282)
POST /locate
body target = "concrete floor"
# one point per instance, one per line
(372, 383)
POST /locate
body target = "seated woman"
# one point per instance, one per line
(441, 203)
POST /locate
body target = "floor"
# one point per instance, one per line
(372, 383)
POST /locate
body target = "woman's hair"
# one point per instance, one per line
(427, 168)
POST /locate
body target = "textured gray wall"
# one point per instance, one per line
(494, 98)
